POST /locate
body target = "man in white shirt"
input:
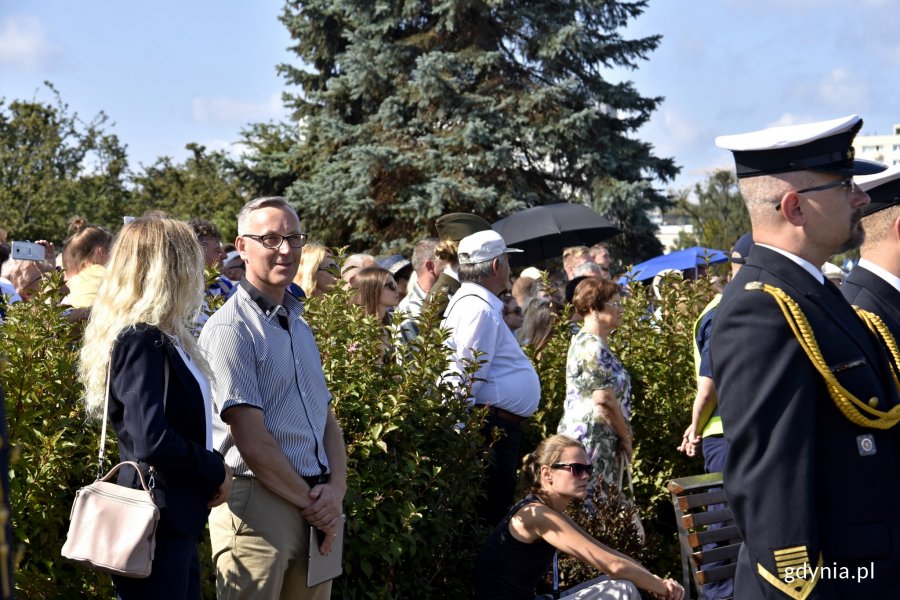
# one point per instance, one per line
(874, 284)
(427, 268)
(505, 382)
(806, 394)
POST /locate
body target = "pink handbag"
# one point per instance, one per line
(113, 528)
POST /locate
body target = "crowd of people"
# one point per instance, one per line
(229, 411)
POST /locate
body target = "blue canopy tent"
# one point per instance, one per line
(680, 260)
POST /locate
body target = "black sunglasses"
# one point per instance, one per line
(391, 285)
(576, 469)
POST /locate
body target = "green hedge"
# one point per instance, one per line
(414, 478)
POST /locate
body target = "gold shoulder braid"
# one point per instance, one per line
(851, 406)
(878, 327)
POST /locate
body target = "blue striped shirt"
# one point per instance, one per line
(258, 362)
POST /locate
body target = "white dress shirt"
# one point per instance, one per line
(506, 378)
(881, 272)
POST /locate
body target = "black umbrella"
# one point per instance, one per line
(543, 231)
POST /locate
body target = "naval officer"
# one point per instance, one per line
(874, 284)
(805, 391)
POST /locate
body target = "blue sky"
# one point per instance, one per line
(169, 73)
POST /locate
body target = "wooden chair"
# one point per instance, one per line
(699, 503)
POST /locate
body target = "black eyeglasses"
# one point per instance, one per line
(615, 304)
(846, 182)
(391, 285)
(273, 240)
(576, 469)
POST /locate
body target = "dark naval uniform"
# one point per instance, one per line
(865, 289)
(804, 482)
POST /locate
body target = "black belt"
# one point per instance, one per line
(314, 480)
(502, 414)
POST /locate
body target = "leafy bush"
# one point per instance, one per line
(414, 477)
(56, 447)
(657, 352)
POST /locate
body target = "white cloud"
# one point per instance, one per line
(842, 89)
(24, 43)
(237, 110)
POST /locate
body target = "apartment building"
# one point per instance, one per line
(881, 148)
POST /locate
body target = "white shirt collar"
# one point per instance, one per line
(805, 264)
(881, 272)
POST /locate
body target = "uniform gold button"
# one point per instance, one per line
(873, 401)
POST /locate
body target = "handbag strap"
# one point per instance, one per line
(106, 413)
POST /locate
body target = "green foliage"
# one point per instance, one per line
(414, 477)
(412, 110)
(201, 187)
(657, 352)
(53, 166)
(626, 205)
(56, 447)
(719, 215)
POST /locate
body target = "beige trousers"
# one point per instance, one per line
(259, 547)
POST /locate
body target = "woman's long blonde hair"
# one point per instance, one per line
(312, 257)
(154, 276)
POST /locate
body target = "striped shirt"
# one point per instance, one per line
(264, 355)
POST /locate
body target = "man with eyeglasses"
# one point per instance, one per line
(806, 395)
(272, 420)
(874, 284)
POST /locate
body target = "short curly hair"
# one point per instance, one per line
(593, 293)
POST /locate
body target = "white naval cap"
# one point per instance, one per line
(883, 190)
(825, 146)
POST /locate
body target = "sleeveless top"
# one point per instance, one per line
(507, 569)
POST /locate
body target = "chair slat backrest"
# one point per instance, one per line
(703, 518)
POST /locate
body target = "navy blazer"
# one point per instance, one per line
(172, 439)
(800, 477)
(867, 290)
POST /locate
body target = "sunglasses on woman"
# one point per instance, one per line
(391, 285)
(576, 469)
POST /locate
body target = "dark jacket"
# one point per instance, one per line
(867, 290)
(801, 478)
(172, 439)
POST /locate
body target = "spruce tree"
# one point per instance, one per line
(411, 109)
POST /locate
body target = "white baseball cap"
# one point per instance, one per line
(481, 247)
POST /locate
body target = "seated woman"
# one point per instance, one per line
(519, 552)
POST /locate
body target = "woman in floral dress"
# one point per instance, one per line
(597, 410)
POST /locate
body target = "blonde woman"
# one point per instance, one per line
(139, 334)
(316, 272)
(519, 552)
